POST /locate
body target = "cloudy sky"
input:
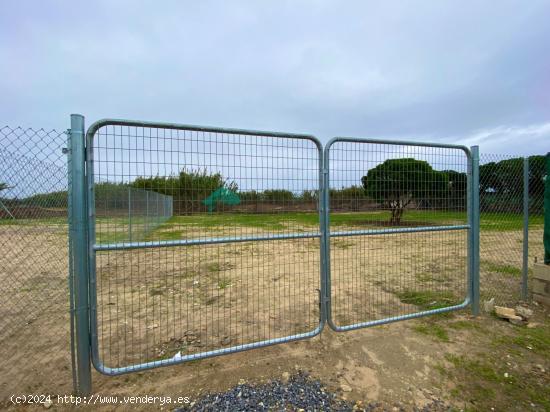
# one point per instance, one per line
(463, 72)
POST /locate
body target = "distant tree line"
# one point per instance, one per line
(395, 185)
(501, 185)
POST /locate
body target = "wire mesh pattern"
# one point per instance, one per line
(210, 241)
(34, 308)
(236, 264)
(502, 220)
(137, 212)
(389, 272)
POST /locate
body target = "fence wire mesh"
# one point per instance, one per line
(137, 212)
(502, 222)
(164, 303)
(394, 187)
(157, 184)
(34, 308)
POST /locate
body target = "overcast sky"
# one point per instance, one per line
(464, 72)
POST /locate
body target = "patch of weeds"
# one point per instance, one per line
(502, 268)
(215, 267)
(342, 244)
(156, 291)
(464, 324)
(427, 300)
(480, 368)
(491, 384)
(168, 235)
(536, 339)
(223, 283)
(434, 330)
(425, 277)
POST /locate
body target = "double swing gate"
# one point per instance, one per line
(270, 237)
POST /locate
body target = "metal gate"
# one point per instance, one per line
(238, 239)
(414, 253)
(183, 290)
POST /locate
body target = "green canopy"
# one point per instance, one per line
(222, 195)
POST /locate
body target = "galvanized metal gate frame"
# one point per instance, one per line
(472, 227)
(84, 247)
(93, 248)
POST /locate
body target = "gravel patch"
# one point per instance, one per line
(299, 393)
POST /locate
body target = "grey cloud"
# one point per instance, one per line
(439, 70)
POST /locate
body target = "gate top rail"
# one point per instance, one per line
(94, 127)
(465, 149)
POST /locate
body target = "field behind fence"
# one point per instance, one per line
(175, 286)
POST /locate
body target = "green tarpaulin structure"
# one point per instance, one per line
(222, 196)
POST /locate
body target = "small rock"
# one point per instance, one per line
(524, 312)
(504, 312)
(286, 377)
(345, 388)
(516, 320)
(540, 367)
(532, 325)
(489, 305)
(48, 404)
(242, 381)
(506, 375)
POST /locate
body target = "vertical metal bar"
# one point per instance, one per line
(525, 268)
(71, 267)
(326, 234)
(78, 237)
(323, 263)
(130, 214)
(146, 211)
(475, 231)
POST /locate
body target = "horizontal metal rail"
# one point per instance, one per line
(194, 128)
(399, 318)
(205, 241)
(398, 230)
(106, 370)
(465, 149)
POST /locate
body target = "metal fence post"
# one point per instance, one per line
(475, 231)
(525, 268)
(78, 226)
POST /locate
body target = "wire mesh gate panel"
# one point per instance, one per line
(399, 230)
(237, 265)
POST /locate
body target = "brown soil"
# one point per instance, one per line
(153, 303)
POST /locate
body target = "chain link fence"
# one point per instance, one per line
(133, 213)
(34, 309)
(35, 321)
(505, 204)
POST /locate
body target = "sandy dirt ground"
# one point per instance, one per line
(155, 303)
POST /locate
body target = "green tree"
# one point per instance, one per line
(188, 189)
(396, 183)
(501, 184)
